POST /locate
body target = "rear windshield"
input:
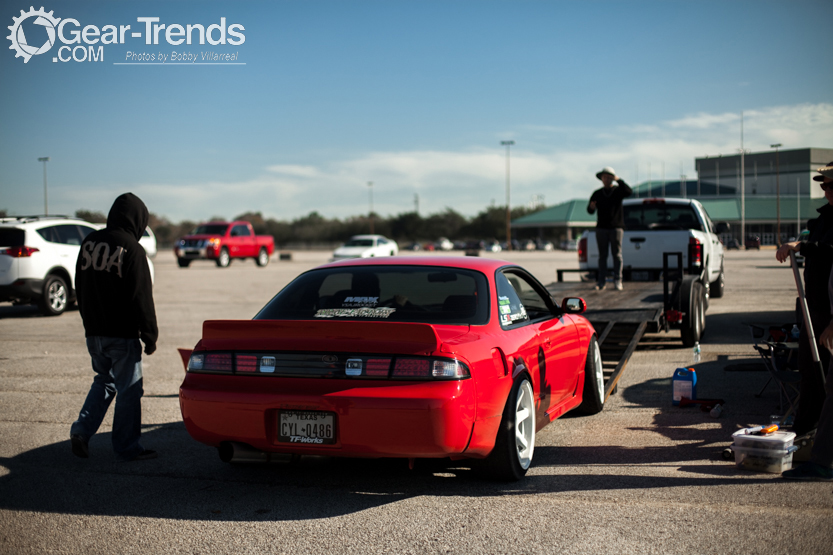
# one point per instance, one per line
(11, 237)
(639, 217)
(433, 295)
(359, 243)
(216, 229)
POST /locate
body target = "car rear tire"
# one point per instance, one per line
(692, 326)
(183, 262)
(515, 442)
(593, 395)
(224, 259)
(55, 296)
(262, 258)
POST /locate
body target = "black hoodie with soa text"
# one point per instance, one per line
(112, 277)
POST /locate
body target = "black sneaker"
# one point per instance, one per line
(80, 446)
(145, 455)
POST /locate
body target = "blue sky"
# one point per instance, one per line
(413, 96)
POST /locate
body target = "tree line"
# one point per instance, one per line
(316, 230)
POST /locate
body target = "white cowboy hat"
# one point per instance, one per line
(606, 169)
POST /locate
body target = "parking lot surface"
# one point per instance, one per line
(641, 477)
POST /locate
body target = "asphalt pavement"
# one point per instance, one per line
(640, 477)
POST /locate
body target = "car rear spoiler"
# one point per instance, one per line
(326, 335)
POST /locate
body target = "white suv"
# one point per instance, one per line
(37, 260)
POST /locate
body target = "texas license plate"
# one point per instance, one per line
(306, 427)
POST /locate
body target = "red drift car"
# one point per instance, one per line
(396, 357)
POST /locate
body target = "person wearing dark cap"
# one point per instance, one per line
(818, 262)
(610, 223)
(115, 299)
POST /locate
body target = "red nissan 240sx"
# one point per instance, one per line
(405, 357)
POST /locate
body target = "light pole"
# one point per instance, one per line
(777, 196)
(370, 188)
(507, 144)
(45, 159)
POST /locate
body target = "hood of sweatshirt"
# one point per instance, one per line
(129, 214)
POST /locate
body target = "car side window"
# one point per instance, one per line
(84, 231)
(510, 308)
(66, 234)
(240, 231)
(534, 303)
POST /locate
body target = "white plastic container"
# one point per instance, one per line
(776, 441)
(774, 461)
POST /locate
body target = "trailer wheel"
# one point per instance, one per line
(593, 395)
(262, 257)
(224, 259)
(692, 327)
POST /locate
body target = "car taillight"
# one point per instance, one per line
(423, 368)
(695, 252)
(246, 363)
(411, 368)
(210, 362)
(582, 249)
(18, 252)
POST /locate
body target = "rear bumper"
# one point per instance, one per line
(204, 253)
(22, 290)
(372, 418)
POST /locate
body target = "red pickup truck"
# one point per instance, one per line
(222, 241)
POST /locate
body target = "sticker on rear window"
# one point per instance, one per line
(503, 301)
(364, 312)
(358, 302)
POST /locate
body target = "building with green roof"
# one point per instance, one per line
(770, 181)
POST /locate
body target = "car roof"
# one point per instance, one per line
(658, 200)
(485, 265)
(37, 221)
(368, 237)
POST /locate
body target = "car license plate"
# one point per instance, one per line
(306, 427)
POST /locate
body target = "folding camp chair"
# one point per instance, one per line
(780, 360)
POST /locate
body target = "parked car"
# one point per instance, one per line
(415, 246)
(753, 242)
(542, 245)
(37, 260)
(569, 245)
(732, 244)
(443, 244)
(148, 242)
(222, 242)
(418, 357)
(366, 246)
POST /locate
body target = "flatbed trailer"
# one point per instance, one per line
(621, 318)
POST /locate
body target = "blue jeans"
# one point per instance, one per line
(118, 370)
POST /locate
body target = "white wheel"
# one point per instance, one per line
(515, 441)
(593, 393)
(525, 425)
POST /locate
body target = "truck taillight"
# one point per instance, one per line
(19, 252)
(695, 252)
(582, 249)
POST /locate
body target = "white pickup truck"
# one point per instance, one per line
(655, 226)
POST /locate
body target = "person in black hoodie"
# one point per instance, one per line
(113, 286)
(610, 223)
(818, 262)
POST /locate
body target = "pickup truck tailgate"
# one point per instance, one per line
(644, 249)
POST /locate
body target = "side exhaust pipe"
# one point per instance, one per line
(235, 452)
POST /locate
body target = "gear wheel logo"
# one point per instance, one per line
(18, 37)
